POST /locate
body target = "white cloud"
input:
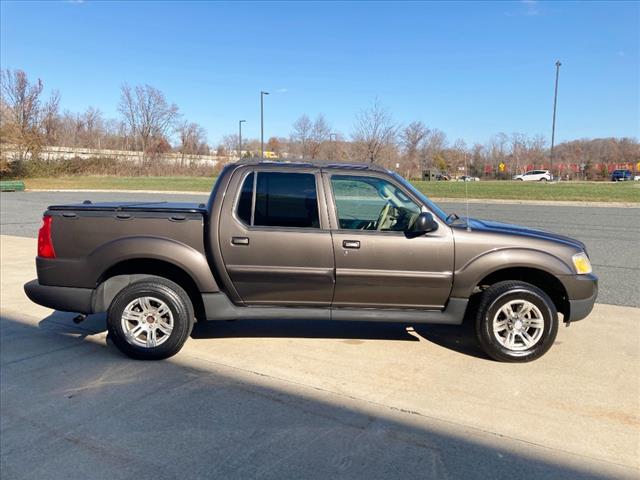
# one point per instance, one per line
(530, 8)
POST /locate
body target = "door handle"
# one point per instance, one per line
(240, 240)
(351, 244)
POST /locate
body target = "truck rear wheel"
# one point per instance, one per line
(516, 322)
(150, 319)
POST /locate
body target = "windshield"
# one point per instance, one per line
(422, 197)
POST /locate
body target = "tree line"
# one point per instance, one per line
(148, 122)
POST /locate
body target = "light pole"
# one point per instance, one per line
(262, 94)
(553, 125)
(240, 138)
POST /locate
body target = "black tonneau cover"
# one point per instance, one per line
(168, 207)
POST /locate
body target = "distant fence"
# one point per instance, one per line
(66, 153)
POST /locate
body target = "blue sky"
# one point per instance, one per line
(469, 69)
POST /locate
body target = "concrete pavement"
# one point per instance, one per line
(301, 399)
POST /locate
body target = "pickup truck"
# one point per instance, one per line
(280, 240)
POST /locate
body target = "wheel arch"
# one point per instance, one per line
(124, 273)
(545, 281)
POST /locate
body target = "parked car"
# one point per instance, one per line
(535, 176)
(467, 178)
(442, 177)
(636, 178)
(308, 241)
(621, 175)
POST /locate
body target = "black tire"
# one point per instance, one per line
(173, 296)
(543, 179)
(493, 299)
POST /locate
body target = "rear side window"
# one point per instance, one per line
(281, 200)
(245, 200)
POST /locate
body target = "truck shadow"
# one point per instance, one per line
(90, 407)
(460, 338)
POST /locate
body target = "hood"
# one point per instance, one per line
(508, 229)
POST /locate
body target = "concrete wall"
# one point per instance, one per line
(66, 153)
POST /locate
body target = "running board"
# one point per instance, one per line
(217, 306)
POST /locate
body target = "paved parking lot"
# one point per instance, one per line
(315, 399)
(610, 233)
(301, 399)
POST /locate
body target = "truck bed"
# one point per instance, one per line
(81, 231)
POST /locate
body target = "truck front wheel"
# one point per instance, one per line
(150, 319)
(516, 322)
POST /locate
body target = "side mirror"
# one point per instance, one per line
(423, 224)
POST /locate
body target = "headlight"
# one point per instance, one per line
(581, 263)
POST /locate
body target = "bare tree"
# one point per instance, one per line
(412, 138)
(230, 143)
(432, 148)
(192, 139)
(21, 100)
(147, 113)
(301, 134)
(319, 135)
(374, 131)
(51, 119)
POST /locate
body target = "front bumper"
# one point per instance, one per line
(66, 299)
(582, 291)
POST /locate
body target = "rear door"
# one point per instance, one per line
(274, 237)
(377, 263)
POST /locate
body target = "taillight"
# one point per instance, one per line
(45, 245)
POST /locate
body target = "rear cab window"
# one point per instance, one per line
(279, 199)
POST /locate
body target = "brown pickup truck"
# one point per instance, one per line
(308, 241)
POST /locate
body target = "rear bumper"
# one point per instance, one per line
(66, 299)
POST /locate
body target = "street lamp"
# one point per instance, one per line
(262, 94)
(553, 126)
(240, 138)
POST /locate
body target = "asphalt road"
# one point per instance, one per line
(310, 399)
(612, 234)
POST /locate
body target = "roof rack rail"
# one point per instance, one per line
(313, 163)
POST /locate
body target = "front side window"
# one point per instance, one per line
(370, 203)
(281, 200)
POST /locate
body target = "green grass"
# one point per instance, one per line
(186, 184)
(514, 190)
(507, 190)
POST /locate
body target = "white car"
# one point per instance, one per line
(535, 176)
(467, 178)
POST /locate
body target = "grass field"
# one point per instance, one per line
(506, 190)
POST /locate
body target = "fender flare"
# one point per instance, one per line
(467, 277)
(194, 263)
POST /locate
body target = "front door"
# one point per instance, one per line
(377, 263)
(275, 239)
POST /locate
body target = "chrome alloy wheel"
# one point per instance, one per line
(518, 325)
(147, 322)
